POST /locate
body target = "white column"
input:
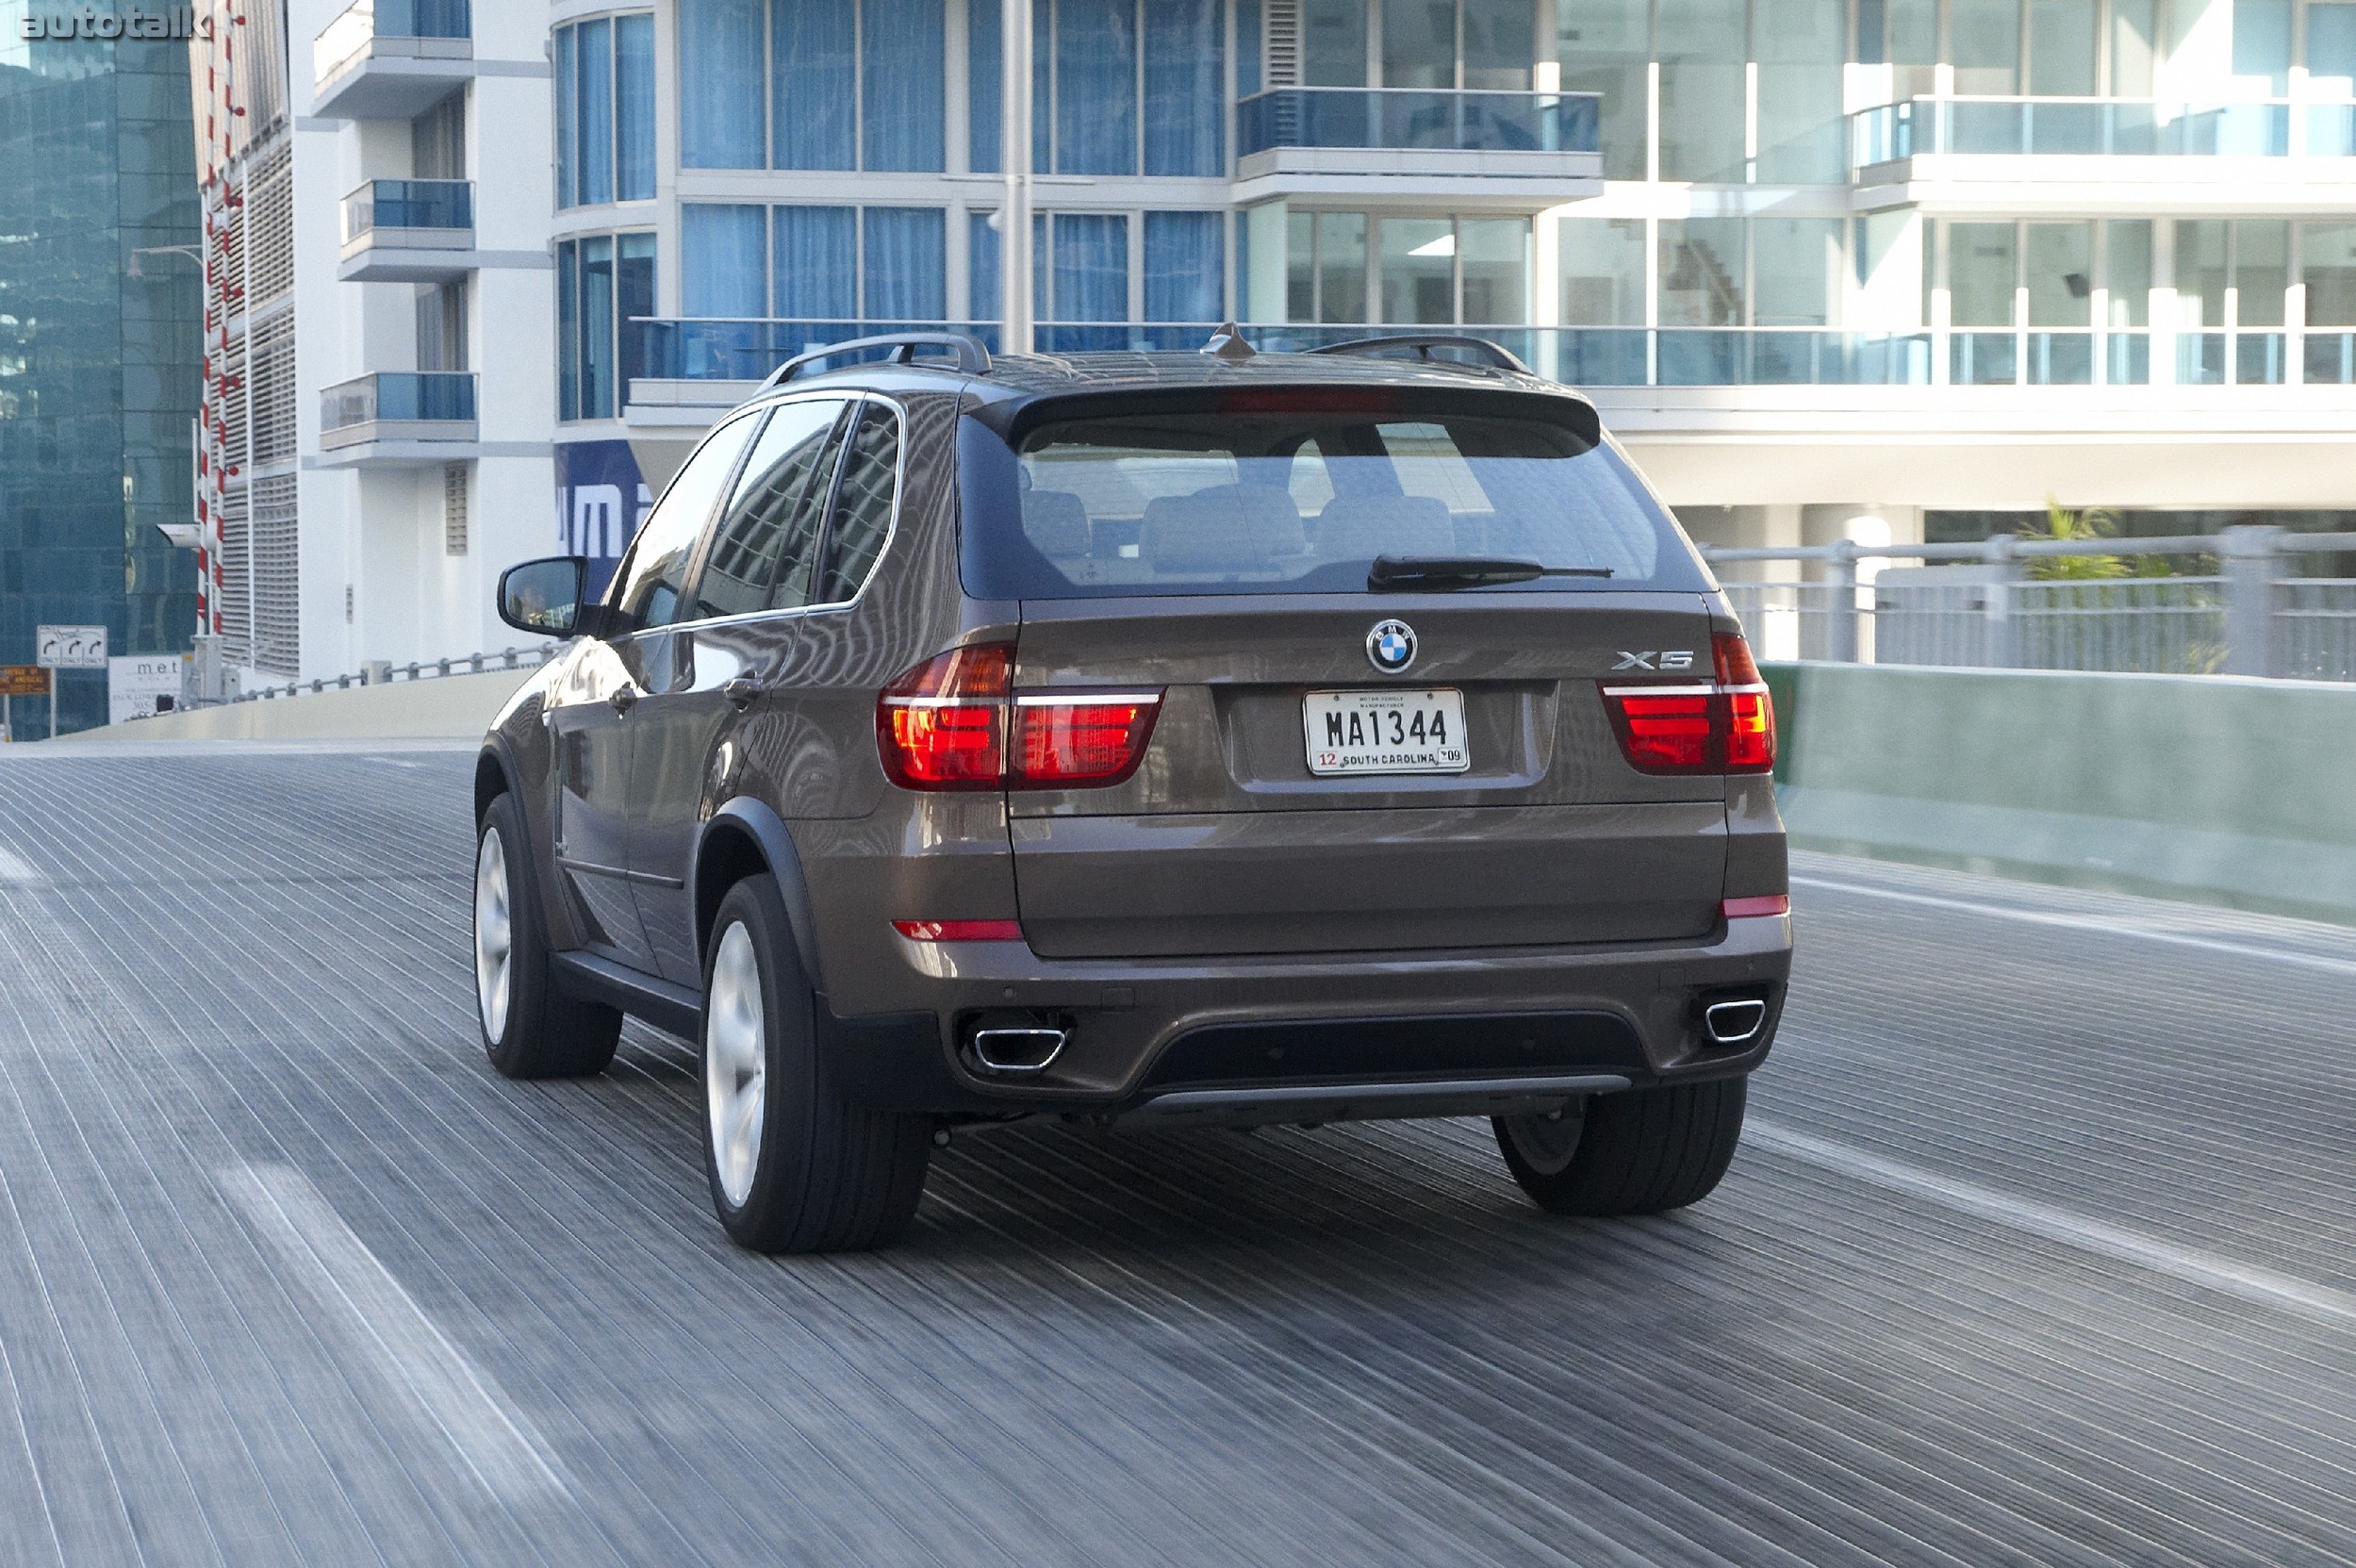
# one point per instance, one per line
(1015, 262)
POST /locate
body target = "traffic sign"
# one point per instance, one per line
(71, 647)
(24, 680)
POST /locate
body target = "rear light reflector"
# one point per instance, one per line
(960, 931)
(1727, 726)
(1747, 909)
(955, 722)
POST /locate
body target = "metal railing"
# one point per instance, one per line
(385, 672)
(2079, 127)
(399, 397)
(1401, 119)
(361, 25)
(409, 204)
(2237, 607)
(747, 349)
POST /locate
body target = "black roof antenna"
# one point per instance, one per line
(1227, 344)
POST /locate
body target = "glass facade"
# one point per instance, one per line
(100, 339)
(605, 71)
(812, 84)
(603, 283)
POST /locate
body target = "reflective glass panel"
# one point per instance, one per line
(1419, 272)
(1603, 271)
(1496, 269)
(2261, 270)
(1983, 273)
(2058, 268)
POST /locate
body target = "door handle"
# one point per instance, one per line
(625, 697)
(741, 692)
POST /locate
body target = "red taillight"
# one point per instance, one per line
(960, 931)
(1088, 741)
(955, 722)
(1726, 726)
(1745, 909)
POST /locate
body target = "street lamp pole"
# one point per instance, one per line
(1014, 260)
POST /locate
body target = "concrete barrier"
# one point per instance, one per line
(2225, 790)
(448, 707)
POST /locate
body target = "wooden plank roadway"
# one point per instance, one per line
(2040, 1251)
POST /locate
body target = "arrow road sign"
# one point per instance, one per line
(71, 647)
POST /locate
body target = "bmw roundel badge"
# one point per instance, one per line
(1390, 646)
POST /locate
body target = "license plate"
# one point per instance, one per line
(1390, 731)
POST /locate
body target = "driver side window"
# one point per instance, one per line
(656, 575)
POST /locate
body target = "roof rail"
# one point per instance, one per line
(972, 358)
(1424, 342)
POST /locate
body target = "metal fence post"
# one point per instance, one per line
(1841, 628)
(2006, 572)
(2254, 562)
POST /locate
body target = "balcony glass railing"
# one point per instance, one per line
(1402, 118)
(399, 397)
(748, 350)
(2095, 126)
(409, 204)
(363, 23)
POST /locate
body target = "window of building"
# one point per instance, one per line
(812, 84)
(1347, 267)
(605, 69)
(2328, 264)
(1119, 86)
(605, 286)
(839, 268)
(1702, 91)
(1606, 48)
(1702, 272)
(1603, 271)
(1800, 48)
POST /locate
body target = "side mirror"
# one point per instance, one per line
(544, 597)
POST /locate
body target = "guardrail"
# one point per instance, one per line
(385, 672)
(2099, 128)
(2242, 610)
(1412, 119)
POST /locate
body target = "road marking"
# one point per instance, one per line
(353, 1288)
(2318, 1303)
(2085, 923)
(16, 871)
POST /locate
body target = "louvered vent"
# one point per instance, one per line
(1282, 43)
(454, 509)
(277, 606)
(269, 387)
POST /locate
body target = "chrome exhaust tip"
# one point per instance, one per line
(1018, 1050)
(1735, 1023)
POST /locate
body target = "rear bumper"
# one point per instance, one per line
(1328, 1037)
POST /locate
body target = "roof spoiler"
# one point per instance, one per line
(1420, 345)
(972, 358)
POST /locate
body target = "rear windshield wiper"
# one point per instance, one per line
(1407, 573)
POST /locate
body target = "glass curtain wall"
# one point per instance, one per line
(605, 71)
(1119, 86)
(604, 283)
(1350, 268)
(812, 84)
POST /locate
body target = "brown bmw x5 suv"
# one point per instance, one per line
(1148, 740)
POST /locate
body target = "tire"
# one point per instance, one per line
(530, 1029)
(1637, 1152)
(794, 1167)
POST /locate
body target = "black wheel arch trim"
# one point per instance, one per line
(748, 818)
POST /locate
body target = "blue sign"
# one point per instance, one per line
(600, 499)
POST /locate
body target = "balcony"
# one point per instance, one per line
(408, 231)
(1513, 151)
(2096, 154)
(392, 59)
(397, 419)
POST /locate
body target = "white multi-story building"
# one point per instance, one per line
(1834, 268)
(392, 348)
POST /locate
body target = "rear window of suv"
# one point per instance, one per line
(1301, 499)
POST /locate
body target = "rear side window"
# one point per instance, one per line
(766, 550)
(1303, 500)
(862, 509)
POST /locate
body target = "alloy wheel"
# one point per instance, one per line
(735, 1062)
(494, 935)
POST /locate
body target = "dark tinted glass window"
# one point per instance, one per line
(1302, 501)
(766, 541)
(862, 515)
(653, 577)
